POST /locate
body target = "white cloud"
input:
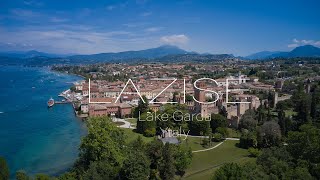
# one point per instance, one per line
(145, 14)
(153, 29)
(33, 3)
(175, 39)
(110, 8)
(303, 42)
(117, 6)
(293, 45)
(70, 40)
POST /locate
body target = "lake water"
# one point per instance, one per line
(33, 137)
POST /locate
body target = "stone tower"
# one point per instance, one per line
(200, 96)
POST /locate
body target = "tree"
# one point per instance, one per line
(254, 152)
(269, 134)
(175, 97)
(248, 120)
(248, 139)
(100, 170)
(21, 175)
(183, 158)
(189, 98)
(282, 121)
(167, 168)
(142, 107)
(68, 176)
(136, 166)
(200, 127)
(42, 177)
(270, 99)
(229, 171)
(223, 111)
(252, 171)
(217, 121)
(275, 161)
(305, 144)
(315, 105)
(174, 116)
(223, 131)
(301, 106)
(298, 173)
(138, 145)
(104, 141)
(4, 169)
(154, 151)
(145, 126)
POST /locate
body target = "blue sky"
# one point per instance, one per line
(240, 27)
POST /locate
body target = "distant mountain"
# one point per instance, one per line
(301, 51)
(194, 58)
(27, 54)
(262, 54)
(147, 53)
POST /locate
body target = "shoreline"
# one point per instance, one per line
(50, 68)
(37, 116)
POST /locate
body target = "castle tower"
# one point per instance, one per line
(252, 104)
(240, 109)
(200, 96)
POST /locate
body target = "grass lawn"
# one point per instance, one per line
(195, 143)
(205, 163)
(233, 133)
(131, 135)
(133, 121)
(207, 174)
(118, 123)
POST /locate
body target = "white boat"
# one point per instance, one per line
(50, 102)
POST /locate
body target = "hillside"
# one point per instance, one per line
(301, 51)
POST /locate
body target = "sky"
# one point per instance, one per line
(238, 27)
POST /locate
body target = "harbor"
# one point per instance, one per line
(69, 97)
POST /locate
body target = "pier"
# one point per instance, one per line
(62, 102)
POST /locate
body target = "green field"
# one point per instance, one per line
(133, 121)
(205, 163)
(131, 135)
(195, 143)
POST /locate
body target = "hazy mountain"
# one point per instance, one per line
(301, 51)
(261, 55)
(147, 53)
(27, 54)
(195, 58)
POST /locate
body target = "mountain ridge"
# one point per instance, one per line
(301, 51)
(146, 53)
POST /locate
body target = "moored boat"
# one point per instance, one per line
(50, 102)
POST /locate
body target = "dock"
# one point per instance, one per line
(62, 102)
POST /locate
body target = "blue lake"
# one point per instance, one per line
(33, 137)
